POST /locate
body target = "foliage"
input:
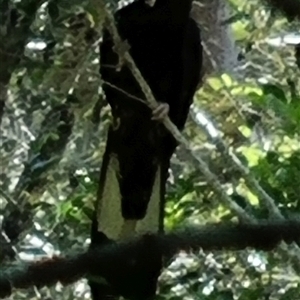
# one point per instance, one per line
(54, 128)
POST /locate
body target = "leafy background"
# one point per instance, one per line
(53, 133)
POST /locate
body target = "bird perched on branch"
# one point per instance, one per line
(166, 47)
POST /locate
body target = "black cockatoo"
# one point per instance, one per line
(166, 47)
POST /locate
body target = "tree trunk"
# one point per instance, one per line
(220, 52)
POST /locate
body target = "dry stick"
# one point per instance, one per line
(274, 212)
(267, 200)
(211, 178)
